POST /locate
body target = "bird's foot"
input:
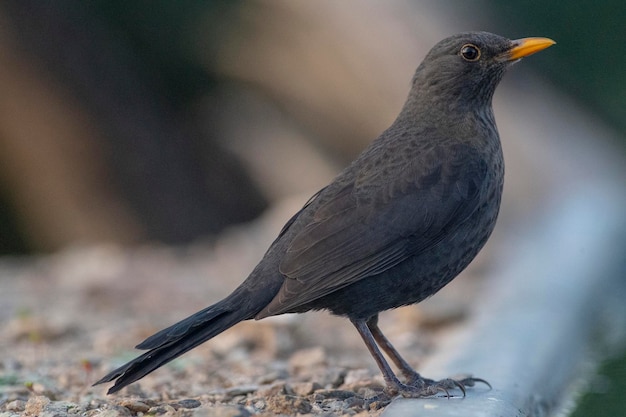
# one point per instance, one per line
(419, 387)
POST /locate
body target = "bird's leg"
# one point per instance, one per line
(406, 369)
(370, 342)
(417, 386)
(394, 386)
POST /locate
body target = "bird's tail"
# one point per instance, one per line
(175, 340)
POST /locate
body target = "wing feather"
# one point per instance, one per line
(355, 232)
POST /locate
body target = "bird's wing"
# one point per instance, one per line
(372, 224)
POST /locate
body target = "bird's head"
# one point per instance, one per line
(466, 68)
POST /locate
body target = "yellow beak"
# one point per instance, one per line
(527, 46)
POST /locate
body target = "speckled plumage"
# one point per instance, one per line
(399, 223)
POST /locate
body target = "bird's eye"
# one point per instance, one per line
(470, 52)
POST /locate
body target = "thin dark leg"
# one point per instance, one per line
(406, 369)
(363, 329)
(416, 386)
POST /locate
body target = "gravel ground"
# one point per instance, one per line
(68, 318)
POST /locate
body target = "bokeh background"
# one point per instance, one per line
(169, 121)
(162, 122)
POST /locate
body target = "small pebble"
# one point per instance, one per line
(335, 393)
(135, 406)
(283, 404)
(115, 411)
(17, 405)
(36, 405)
(162, 409)
(188, 403)
(304, 388)
(241, 390)
(274, 389)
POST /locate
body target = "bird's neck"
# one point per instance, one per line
(428, 99)
(430, 111)
(448, 120)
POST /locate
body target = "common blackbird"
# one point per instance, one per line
(395, 226)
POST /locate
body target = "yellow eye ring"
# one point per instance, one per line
(470, 52)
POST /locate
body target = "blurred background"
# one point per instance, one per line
(162, 121)
(168, 123)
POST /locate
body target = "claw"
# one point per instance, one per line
(460, 385)
(444, 390)
(471, 381)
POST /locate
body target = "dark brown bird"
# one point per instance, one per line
(399, 223)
